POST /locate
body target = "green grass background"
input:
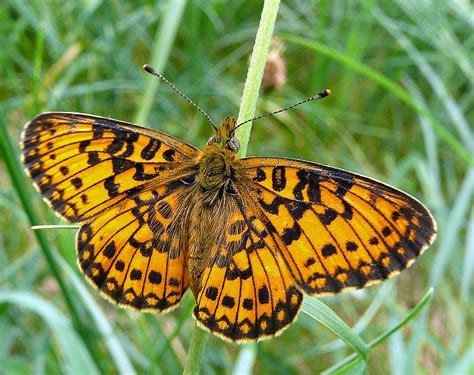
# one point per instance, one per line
(402, 112)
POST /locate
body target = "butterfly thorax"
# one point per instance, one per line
(218, 165)
(215, 167)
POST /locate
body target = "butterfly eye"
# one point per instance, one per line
(229, 188)
(190, 180)
(233, 144)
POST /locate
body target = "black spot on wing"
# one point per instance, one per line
(83, 145)
(313, 190)
(155, 277)
(273, 206)
(136, 274)
(120, 165)
(117, 143)
(228, 302)
(150, 150)
(344, 185)
(141, 175)
(110, 250)
(278, 178)
(351, 246)
(247, 304)
(76, 182)
(260, 175)
(374, 241)
(168, 155)
(310, 182)
(328, 216)
(93, 158)
(211, 293)
(291, 234)
(173, 282)
(111, 187)
(328, 250)
(263, 295)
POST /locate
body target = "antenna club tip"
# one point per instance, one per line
(148, 68)
(321, 94)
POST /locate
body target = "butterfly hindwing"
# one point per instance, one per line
(247, 292)
(133, 254)
(83, 164)
(338, 230)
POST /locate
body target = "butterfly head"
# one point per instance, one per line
(224, 135)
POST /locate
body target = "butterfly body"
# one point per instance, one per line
(247, 236)
(210, 201)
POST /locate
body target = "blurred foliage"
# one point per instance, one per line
(86, 57)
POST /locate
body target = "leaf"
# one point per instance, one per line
(323, 314)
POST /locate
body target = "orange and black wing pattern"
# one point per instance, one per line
(84, 164)
(133, 254)
(337, 230)
(111, 177)
(247, 293)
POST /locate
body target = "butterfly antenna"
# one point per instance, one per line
(153, 72)
(318, 96)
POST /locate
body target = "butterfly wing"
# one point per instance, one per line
(247, 292)
(337, 230)
(112, 177)
(84, 164)
(133, 252)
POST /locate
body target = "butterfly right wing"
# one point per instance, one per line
(134, 254)
(84, 164)
(338, 230)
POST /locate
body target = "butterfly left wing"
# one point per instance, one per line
(84, 164)
(337, 230)
(246, 293)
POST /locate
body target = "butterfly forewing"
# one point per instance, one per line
(338, 230)
(83, 164)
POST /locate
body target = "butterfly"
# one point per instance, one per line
(248, 236)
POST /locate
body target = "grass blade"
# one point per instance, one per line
(324, 315)
(354, 358)
(245, 359)
(101, 322)
(414, 312)
(76, 357)
(390, 85)
(432, 77)
(14, 169)
(468, 269)
(160, 52)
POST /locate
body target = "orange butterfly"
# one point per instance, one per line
(248, 236)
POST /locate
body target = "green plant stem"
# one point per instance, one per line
(255, 72)
(196, 351)
(246, 111)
